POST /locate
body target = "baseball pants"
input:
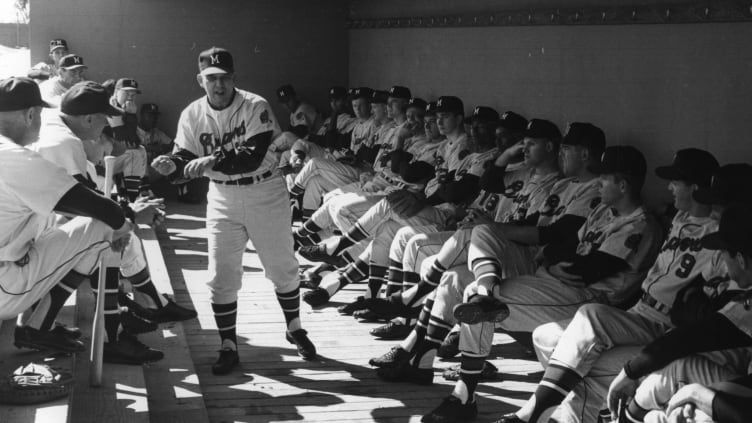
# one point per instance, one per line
(320, 176)
(74, 245)
(259, 213)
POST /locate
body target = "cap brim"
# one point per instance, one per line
(212, 70)
(58, 48)
(670, 173)
(131, 89)
(708, 197)
(714, 241)
(76, 67)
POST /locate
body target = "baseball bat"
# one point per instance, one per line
(107, 259)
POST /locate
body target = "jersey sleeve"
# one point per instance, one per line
(624, 242)
(66, 155)
(261, 120)
(186, 137)
(584, 203)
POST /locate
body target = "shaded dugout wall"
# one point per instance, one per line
(657, 87)
(158, 42)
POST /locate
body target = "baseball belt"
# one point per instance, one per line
(652, 302)
(248, 180)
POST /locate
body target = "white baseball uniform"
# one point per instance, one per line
(52, 90)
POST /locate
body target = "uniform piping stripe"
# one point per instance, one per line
(226, 327)
(226, 313)
(554, 386)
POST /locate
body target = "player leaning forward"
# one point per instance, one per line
(225, 136)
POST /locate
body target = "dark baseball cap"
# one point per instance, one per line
(71, 61)
(150, 108)
(734, 231)
(622, 159)
(400, 92)
(215, 60)
(450, 104)
(417, 103)
(484, 114)
(541, 128)
(587, 135)
(690, 165)
(87, 98)
(362, 92)
(19, 93)
(286, 92)
(127, 84)
(379, 97)
(512, 122)
(431, 108)
(57, 43)
(731, 183)
(337, 92)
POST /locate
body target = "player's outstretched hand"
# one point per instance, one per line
(163, 165)
(148, 211)
(622, 389)
(196, 167)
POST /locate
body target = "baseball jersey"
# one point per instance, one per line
(345, 124)
(570, 196)
(474, 163)
(202, 129)
(361, 133)
(630, 238)
(154, 137)
(51, 90)
(388, 142)
(682, 258)
(30, 187)
(59, 145)
(530, 198)
(449, 155)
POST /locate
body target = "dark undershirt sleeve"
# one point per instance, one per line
(729, 408)
(181, 157)
(246, 158)
(596, 266)
(82, 201)
(492, 179)
(562, 230)
(712, 334)
(464, 190)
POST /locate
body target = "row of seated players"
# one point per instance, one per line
(515, 231)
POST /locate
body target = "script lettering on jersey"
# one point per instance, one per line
(210, 142)
(688, 246)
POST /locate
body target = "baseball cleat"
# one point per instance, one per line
(392, 331)
(368, 316)
(452, 410)
(481, 308)
(349, 309)
(74, 333)
(509, 418)
(317, 253)
(316, 297)
(129, 350)
(396, 357)
(228, 359)
(28, 337)
(299, 338)
(392, 306)
(134, 324)
(171, 312)
(408, 374)
(450, 346)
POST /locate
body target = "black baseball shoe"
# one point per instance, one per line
(299, 338)
(71, 332)
(134, 324)
(228, 358)
(316, 297)
(395, 357)
(171, 312)
(317, 253)
(452, 410)
(391, 307)
(408, 374)
(450, 346)
(509, 418)
(56, 340)
(392, 331)
(481, 308)
(129, 350)
(349, 309)
(368, 316)
(309, 280)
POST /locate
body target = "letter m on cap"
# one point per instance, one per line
(214, 59)
(76, 60)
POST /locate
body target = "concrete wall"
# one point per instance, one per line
(158, 42)
(658, 87)
(14, 35)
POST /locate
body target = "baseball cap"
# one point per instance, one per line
(87, 98)
(71, 61)
(336, 92)
(379, 97)
(400, 92)
(19, 93)
(485, 114)
(418, 103)
(431, 108)
(215, 60)
(622, 159)
(150, 108)
(513, 122)
(285, 92)
(731, 183)
(734, 231)
(450, 104)
(57, 43)
(690, 165)
(541, 128)
(586, 135)
(362, 92)
(127, 84)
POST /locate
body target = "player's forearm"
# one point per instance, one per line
(82, 201)
(527, 235)
(249, 155)
(596, 266)
(181, 157)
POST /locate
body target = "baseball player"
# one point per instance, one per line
(225, 136)
(154, 140)
(44, 70)
(288, 98)
(40, 262)
(585, 354)
(71, 70)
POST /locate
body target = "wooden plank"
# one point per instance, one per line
(172, 383)
(122, 396)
